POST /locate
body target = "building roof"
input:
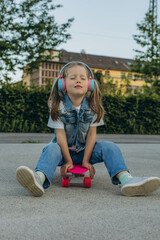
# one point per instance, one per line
(96, 61)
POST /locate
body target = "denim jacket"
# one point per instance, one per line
(76, 124)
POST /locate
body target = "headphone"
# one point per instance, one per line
(61, 81)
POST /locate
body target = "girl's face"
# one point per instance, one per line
(76, 81)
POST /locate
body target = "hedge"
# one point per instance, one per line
(132, 114)
(23, 110)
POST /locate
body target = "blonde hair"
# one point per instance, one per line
(56, 96)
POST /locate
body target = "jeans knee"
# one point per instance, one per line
(52, 149)
(109, 146)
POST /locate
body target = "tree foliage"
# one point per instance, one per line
(28, 29)
(147, 60)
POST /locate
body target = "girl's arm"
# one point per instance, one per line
(90, 142)
(62, 142)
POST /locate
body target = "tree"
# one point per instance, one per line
(147, 61)
(98, 76)
(28, 30)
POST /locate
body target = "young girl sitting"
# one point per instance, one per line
(75, 112)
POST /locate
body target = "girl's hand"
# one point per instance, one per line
(90, 168)
(64, 169)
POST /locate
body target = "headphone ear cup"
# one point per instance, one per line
(61, 84)
(91, 85)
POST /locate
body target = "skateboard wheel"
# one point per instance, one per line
(87, 182)
(65, 182)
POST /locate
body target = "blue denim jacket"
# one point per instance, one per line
(76, 124)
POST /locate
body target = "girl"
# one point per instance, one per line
(75, 112)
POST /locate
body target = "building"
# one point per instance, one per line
(110, 68)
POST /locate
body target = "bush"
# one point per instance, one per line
(131, 114)
(23, 110)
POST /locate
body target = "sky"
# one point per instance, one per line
(102, 27)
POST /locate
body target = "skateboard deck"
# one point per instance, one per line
(77, 172)
(77, 169)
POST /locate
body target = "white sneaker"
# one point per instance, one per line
(140, 186)
(30, 180)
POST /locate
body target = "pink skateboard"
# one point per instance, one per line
(78, 172)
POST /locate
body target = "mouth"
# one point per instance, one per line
(78, 86)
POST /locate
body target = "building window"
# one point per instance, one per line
(129, 89)
(49, 65)
(123, 75)
(136, 88)
(136, 77)
(52, 66)
(46, 73)
(56, 66)
(56, 74)
(130, 75)
(42, 65)
(49, 73)
(106, 73)
(46, 65)
(142, 78)
(42, 73)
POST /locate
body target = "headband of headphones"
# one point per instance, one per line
(61, 82)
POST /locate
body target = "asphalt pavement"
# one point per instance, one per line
(46, 137)
(98, 213)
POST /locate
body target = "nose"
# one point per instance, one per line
(78, 79)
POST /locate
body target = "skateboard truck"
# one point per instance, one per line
(77, 176)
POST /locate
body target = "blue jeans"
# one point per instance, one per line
(104, 151)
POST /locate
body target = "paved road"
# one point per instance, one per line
(45, 138)
(75, 213)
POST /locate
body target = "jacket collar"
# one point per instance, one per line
(69, 106)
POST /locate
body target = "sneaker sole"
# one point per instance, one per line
(26, 178)
(145, 187)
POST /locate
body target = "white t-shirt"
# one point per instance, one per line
(60, 125)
